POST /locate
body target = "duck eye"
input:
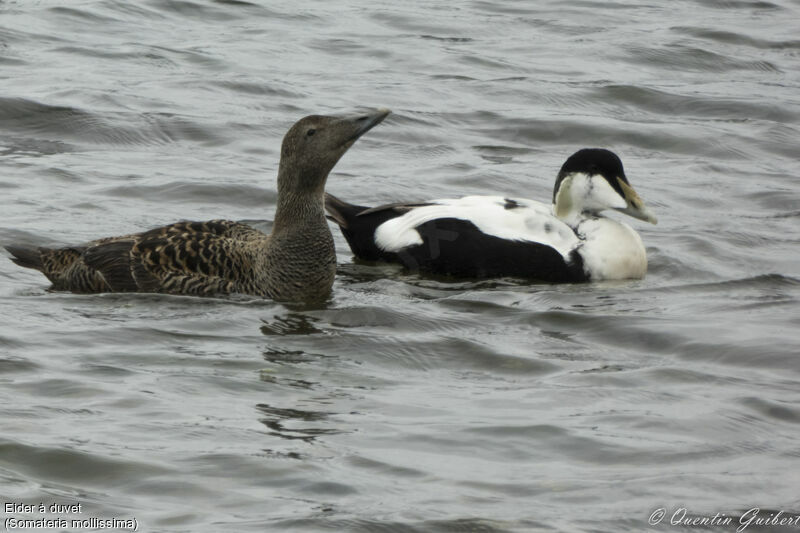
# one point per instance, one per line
(311, 132)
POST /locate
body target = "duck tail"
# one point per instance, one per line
(340, 211)
(26, 256)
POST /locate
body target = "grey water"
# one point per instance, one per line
(405, 404)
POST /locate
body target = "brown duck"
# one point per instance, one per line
(296, 262)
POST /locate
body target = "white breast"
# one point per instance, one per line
(530, 221)
(611, 250)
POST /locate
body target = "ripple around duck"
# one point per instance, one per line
(236, 3)
(384, 468)
(58, 123)
(423, 352)
(70, 466)
(686, 58)
(15, 364)
(298, 424)
(729, 37)
(462, 525)
(258, 88)
(185, 8)
(774, 203)
(672, 104)
(765, 281)
(82, 15)
(572, 132)
(224, 194)
(780, 412)
(748, 5)
(131, 54)
(11, 61)
(58, 388)
(426, 319)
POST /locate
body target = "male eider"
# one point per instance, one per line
(296, 262)
(493, 236)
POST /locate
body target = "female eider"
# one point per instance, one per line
(296, 262)
(493, 236)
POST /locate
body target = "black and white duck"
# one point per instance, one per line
(570, 240)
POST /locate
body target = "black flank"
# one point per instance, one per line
(358, 224)
(457, 247)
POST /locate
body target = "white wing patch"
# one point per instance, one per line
(528, 220)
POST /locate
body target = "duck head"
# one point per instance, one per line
(593, 180)
(313, 146)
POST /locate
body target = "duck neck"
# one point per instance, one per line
(300, 259)
(572, 219)
(569, 202)
(299, 208)
(571, 215)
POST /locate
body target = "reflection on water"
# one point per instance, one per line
(277, 419)
(291, 324)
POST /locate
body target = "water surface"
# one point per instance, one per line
(405, 403)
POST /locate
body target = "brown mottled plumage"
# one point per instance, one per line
(296, 262)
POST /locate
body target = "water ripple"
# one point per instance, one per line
(51, 122)
(404, 403)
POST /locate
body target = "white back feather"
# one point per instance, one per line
(530, 221)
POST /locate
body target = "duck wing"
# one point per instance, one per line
(359, 223)
(222, 228)
(217, 256)
(474, 236)
(198, 258)
(458, 247)
(516, 220)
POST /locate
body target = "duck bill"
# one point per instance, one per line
(636, 207)
(363, 122)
